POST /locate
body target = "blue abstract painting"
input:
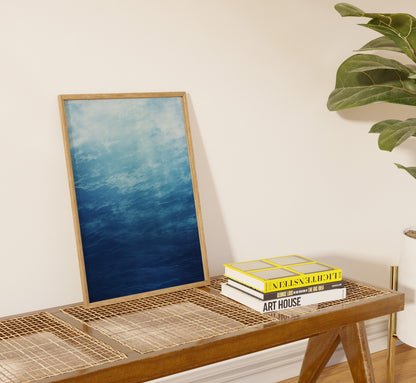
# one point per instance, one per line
(134, 194)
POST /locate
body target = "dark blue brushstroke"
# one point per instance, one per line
(137, 215)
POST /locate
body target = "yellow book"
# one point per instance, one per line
(282, 273)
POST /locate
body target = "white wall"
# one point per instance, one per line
(278, 173)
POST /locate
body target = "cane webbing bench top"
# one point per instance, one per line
(38, 346)
(154, 336)
(171, 319)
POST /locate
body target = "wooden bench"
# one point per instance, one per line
(152, 337)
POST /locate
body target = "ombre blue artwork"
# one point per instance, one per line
(134, 195)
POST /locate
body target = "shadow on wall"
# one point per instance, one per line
(374, 113)
(377, 274)
(219, 250)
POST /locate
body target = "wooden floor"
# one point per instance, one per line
(405, 368)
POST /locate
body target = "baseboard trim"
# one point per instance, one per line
(272, 365)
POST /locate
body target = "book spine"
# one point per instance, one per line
(285, 293)
(303, 300)
(281, 303)
(303, 280)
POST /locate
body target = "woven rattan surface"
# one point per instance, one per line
(159, 322)
(38, 346)
(167, 320)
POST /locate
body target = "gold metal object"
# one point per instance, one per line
(391, 350)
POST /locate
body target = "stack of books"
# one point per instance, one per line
(284, 282)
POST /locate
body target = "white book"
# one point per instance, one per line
(282, 303)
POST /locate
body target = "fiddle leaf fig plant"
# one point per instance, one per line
(366, 78)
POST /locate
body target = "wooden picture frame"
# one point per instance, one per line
(134, 194)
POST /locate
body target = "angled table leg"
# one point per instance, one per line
(354, 341)
(318, 352)
(321, 347)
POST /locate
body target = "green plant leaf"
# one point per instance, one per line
(365, 63)
(380, 126)
(399, 27)
(410, 170)
(364, 79)
(348, 10)
(394, 132)
(381, 43)
(405, 37)
(345, 9)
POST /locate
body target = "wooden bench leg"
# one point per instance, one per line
(318, 352)
(321, 347)
(354, 341)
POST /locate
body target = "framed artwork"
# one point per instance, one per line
(134, 194)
